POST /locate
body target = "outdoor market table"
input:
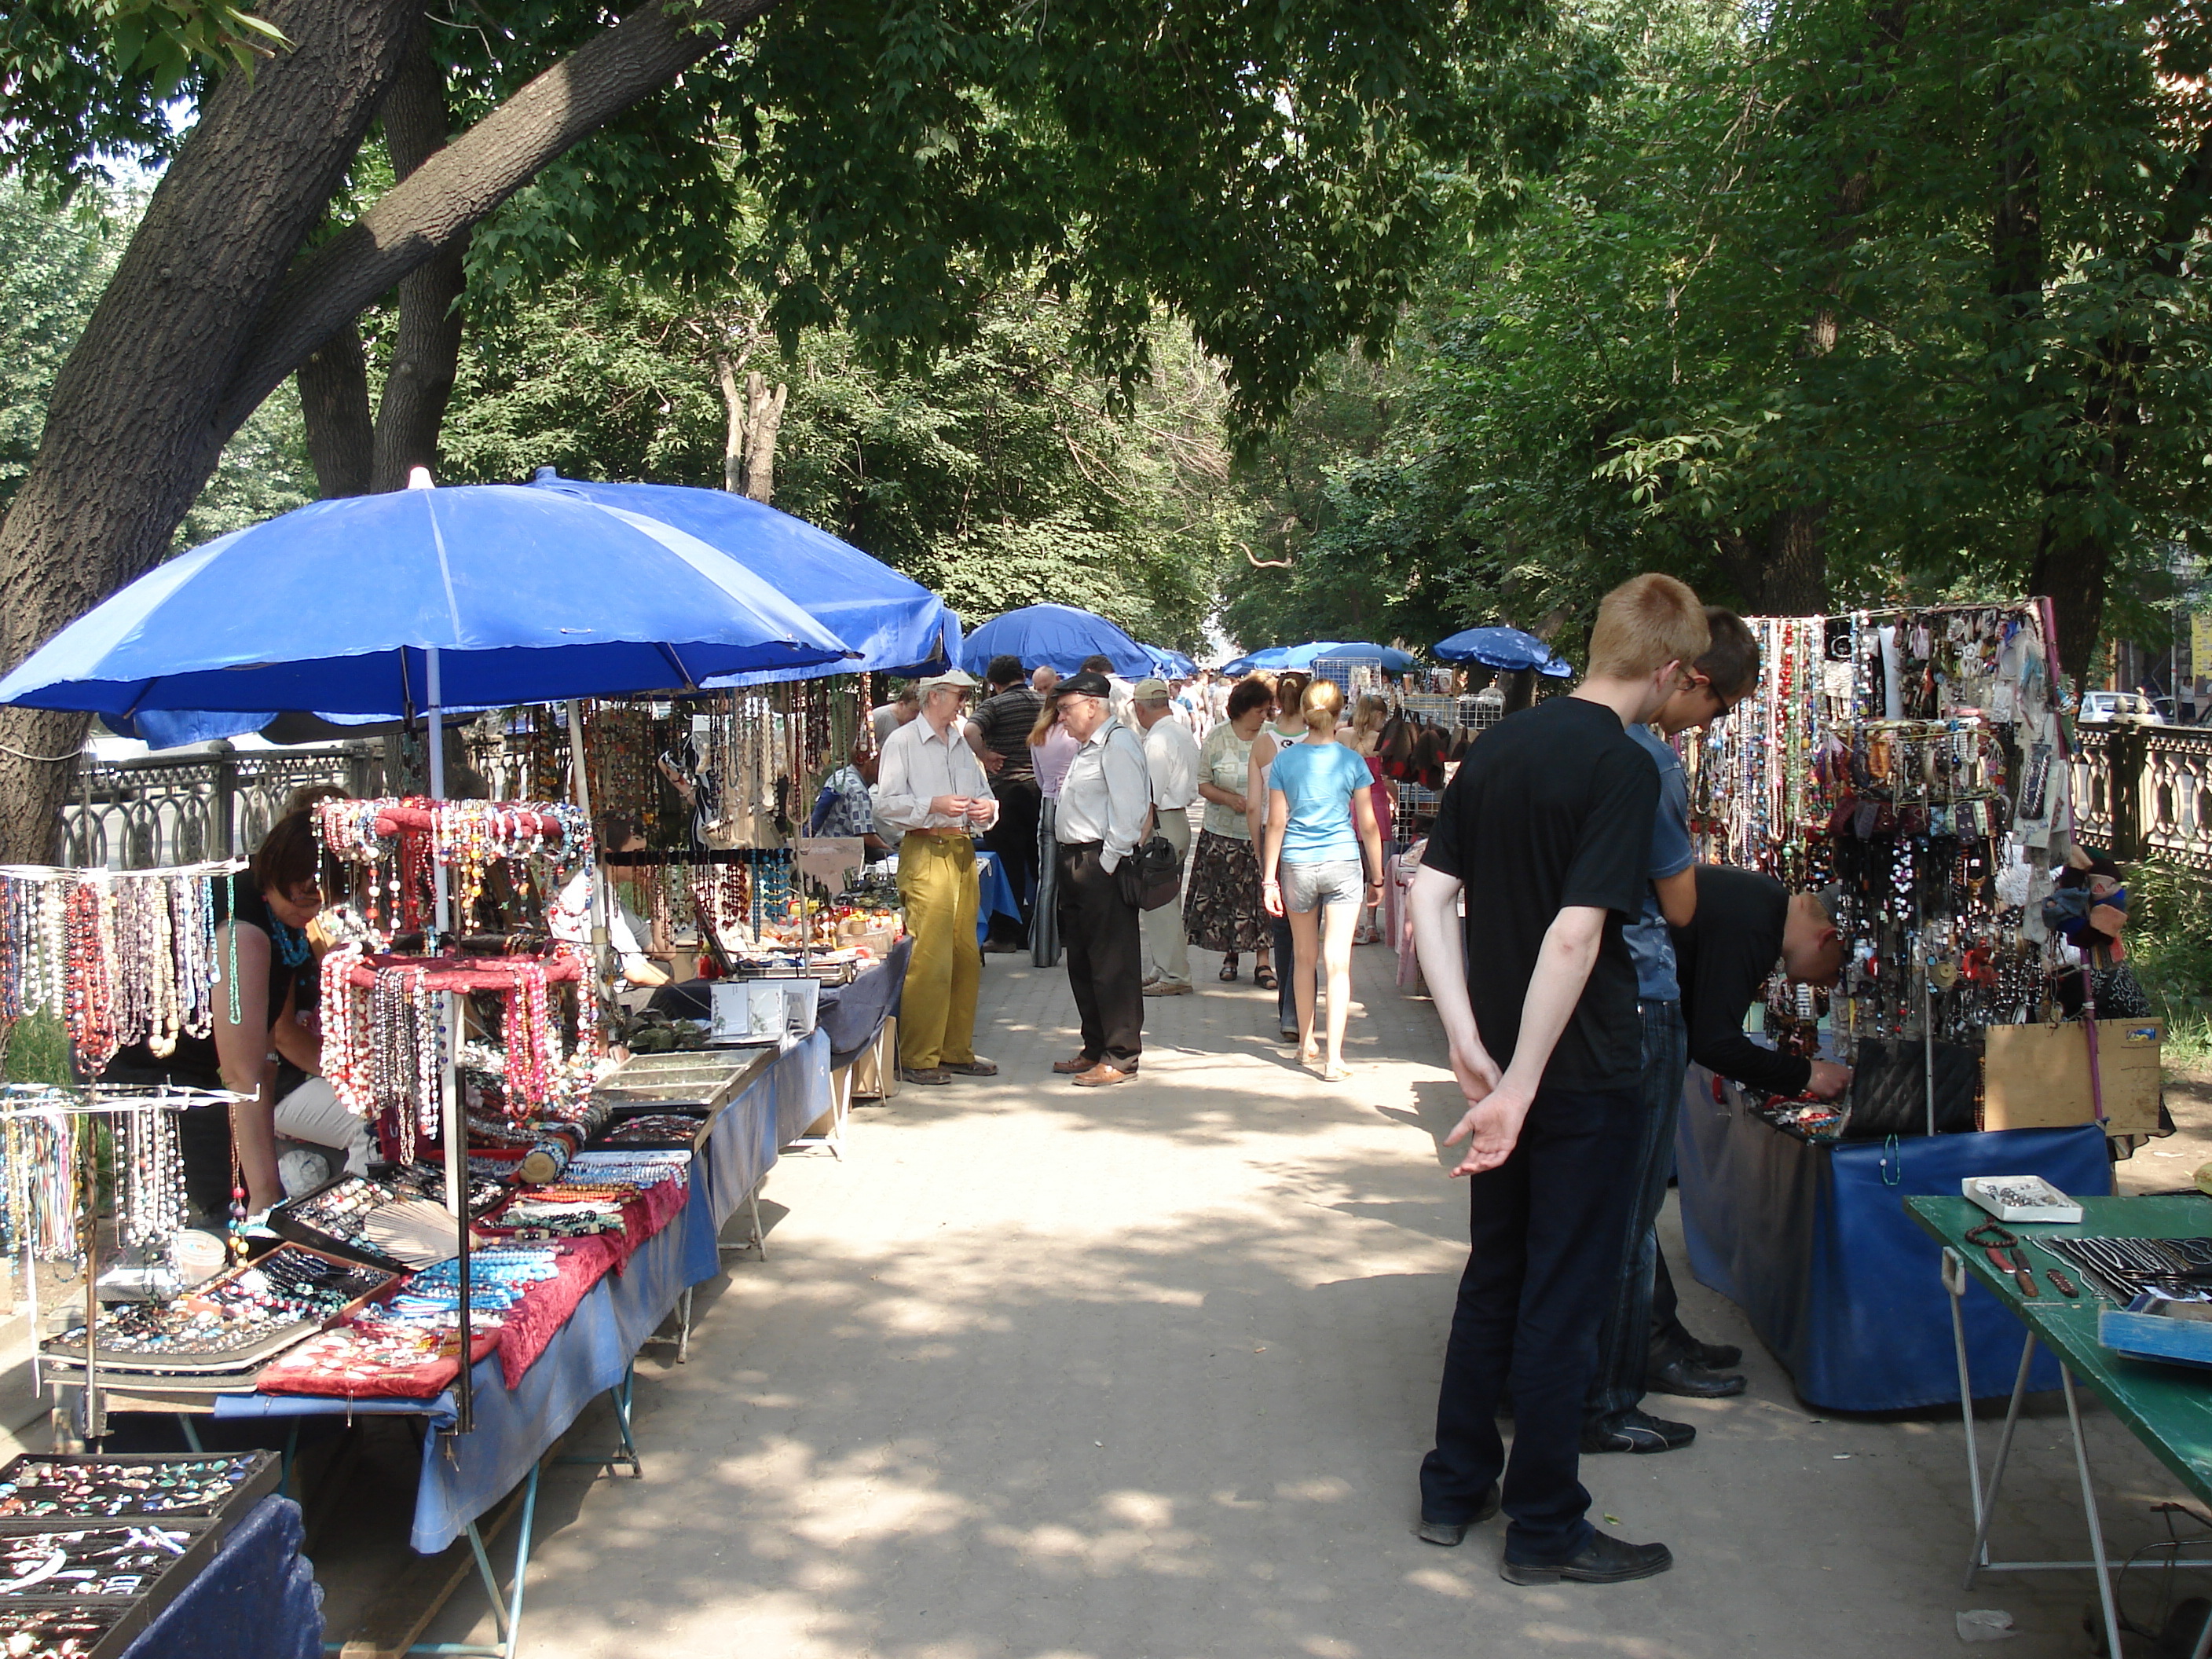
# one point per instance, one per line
(1810, 1241)
(777, 1095)
(255, 1598)
(2167, 1407)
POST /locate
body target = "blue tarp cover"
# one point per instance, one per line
(255, 1599)
(1813, 1242)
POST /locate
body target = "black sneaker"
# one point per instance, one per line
(1451, 1533)
(1604, 1561)
(1692, 1381)
(1636, 1431)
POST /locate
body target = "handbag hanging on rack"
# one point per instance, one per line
(1889, 1089)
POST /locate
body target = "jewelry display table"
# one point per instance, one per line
(1811, 1242)
(995, 896)
(255, 1599)
(2167, 1407)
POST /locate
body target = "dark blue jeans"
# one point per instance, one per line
(1546, 1227)
(1617, 1384)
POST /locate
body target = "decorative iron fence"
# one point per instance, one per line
(2146, 791)
(165, 810)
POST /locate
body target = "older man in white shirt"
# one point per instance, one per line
(931, 791)
(1171, 760)
(1105, 802)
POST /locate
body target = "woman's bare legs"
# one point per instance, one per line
(1343, 920)
(1305, 936)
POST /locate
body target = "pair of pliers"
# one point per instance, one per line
(2004, 1254)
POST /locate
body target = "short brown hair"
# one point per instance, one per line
(1643, 624)
(1321, 706)
(1730, 663)
(1246, 695)
(289, 856)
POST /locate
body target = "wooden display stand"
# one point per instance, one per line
(2036, 1077)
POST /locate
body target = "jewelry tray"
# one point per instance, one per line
(134, 1612)
(284, 1220)
(622, 1114)
(263, 1472)
(126, 1620)
(237, 1359)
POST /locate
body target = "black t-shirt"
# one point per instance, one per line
(193, 1063)
(1723, 959)
(1552, 810)
(1005, 721)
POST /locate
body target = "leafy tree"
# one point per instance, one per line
(1273, 173)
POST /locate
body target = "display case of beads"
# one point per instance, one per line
(233, 1323)
(670, 1125)
(329, 1218)
(39, 1489)
(70, 1628)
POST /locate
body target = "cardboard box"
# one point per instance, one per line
(2036, 1077)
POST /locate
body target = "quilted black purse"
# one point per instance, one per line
(1889, 1089)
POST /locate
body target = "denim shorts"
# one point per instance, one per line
(1337, 881)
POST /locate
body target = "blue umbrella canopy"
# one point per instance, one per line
(527, 595)
(1273, 656)
(892, 621)
(1507, 649)
(1058, 636)
(1388, 657)
(1171, 664)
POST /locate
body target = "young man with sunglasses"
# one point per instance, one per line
(1629, 1359)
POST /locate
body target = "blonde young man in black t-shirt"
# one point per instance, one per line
(1547, 828)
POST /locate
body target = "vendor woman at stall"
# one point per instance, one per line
(568, 918)
(261, 917)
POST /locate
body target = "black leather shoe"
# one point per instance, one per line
(1605, 1561)
(1691, 1381)
(1636, 1431)
(1449, 1533)
(1717, 1356)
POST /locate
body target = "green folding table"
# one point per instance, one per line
(2169, 1407)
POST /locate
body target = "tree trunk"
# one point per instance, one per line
(134, 427)
(334, 404)
(1793, 582)
(443, 198)
(733, 437)
(427, 348)
(763, 419)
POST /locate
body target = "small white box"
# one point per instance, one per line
(2021, 1197)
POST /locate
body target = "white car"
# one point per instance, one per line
(2118, 708)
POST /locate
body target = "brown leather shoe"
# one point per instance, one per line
(1073, 1064)
(1100, 1075)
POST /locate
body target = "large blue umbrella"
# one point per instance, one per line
(1171, 664)
(1058, 636)
(1273, 656)
(891, 621)
(524, 595)
(1507, 649)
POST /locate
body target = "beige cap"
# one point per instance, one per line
(956, 678)
(1153, 690)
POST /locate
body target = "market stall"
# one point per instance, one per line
(1910, 765)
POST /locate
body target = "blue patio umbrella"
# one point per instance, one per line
(1058, 636)
(1268, 657)
(522, 595)
(1507, 649)
(1171, 664)
(893, 622)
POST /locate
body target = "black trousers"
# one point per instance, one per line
(1545, 1228)
(1014, 839)
(1105, 956)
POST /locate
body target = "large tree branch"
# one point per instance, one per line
(438, 204)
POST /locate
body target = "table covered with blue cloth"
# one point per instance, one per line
(464, 1475)
(1812, 1241)
(255, 1598)
(995, 893)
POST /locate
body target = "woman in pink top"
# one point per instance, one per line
(1052, 747)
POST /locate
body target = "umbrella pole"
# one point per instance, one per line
(579, 784)
(455, 1126)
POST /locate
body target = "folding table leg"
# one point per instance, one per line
(1986, 1503)
(684, 1326)
(505, 1614)
(626, 1448)
(2096, 1528)
(191, 1429)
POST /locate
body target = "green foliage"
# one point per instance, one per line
(1000, 475)
(55, 257)
(2169, 941)
(54, 260)
(35, 1049)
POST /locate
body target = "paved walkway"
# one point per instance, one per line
(1046, 1372)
